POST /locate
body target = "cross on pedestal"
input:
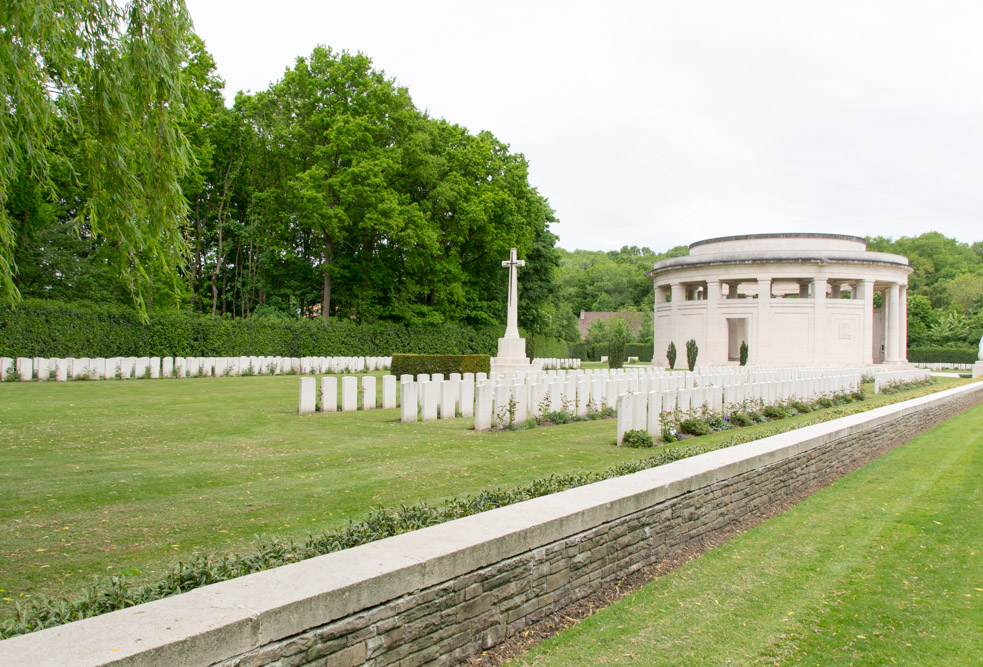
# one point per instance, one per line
(512, 325)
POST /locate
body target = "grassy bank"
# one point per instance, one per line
(884, 567)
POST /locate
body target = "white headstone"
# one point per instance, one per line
(429, 398)
(467, 398)
(448, 399)
(407, 402)
(483, 408)
(349, 394)
(368, 392)
(25, 369)
(6, 364)
(388, 392)
(639, 412)
(307, 397)
(625, 419)
(329, 394)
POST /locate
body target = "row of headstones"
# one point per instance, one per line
(885, 378)
(944, 367)
(644, 411)
(497, 401)
(349, 394)
(26, 369)
(556, 364)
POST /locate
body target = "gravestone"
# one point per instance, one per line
(625, 418)
(167, 367)
(368, 392)
(307, 397)
(429, 398)
(448, 399)
(349, 394)
(654, 426)
(329, 394)
(483, 408)
(407, 402)
(388, 392)
(467, 398)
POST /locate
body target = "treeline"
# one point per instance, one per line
(327, 195)
(945, 291)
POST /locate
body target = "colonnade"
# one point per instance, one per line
(678, 295)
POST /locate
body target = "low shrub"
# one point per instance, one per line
(741, 419)
(718, 423)
(695, 426)
(775, 412)
(637, 438)
(802, 407)
(416, 364)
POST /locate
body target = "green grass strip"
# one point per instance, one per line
(883, 567)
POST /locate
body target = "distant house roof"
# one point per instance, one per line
(632, 320)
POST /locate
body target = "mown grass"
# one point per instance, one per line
(103, 478)
(884, 567)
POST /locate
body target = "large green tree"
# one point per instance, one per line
(94, 90)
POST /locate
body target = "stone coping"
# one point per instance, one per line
(779, 235)
(216, 622)
(751, 257)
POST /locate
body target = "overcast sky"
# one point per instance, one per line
(662, 123)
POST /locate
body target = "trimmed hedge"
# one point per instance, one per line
(543, 347)
(943, 355)
(415, 364)
(39, 328)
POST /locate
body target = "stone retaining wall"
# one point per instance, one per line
(448, 592)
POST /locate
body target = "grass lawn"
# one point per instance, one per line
(103, 478)
(884, 567)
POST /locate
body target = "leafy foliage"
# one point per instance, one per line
(671, 355)
(637, 438)
(93, 100)
(743, 353)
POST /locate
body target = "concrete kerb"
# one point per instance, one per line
(257, 609)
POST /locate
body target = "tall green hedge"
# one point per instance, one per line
(542, 347)
(38, 328)
(943, 355)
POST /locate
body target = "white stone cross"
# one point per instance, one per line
(512, 325)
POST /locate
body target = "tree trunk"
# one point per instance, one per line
(218, 264)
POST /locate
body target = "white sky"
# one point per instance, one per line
(662, 123)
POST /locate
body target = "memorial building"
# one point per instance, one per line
(795, 299)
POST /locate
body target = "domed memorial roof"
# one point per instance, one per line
(780, 248)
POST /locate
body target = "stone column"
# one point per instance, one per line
(903, 324)
(834, 292)
(865, 291)
(803, 289)
(764, 321)
(677, 297)
(892, 315)
(819, 322)
(716, 340)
